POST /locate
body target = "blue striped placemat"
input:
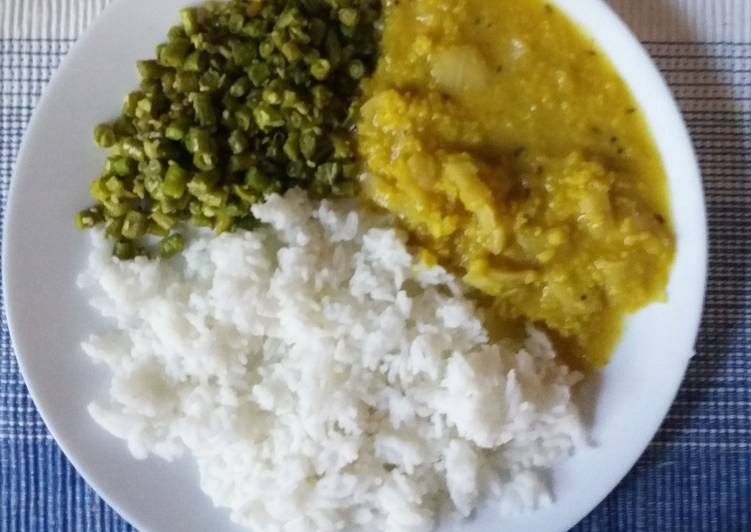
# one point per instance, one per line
(695, 476)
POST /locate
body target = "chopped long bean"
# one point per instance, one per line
(243, 99)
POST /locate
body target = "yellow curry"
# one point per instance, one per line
(510, 148)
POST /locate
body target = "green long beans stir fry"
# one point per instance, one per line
(245, 98)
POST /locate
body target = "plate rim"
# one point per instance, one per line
(24, 153)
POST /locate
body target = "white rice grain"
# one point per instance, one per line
(322, 379)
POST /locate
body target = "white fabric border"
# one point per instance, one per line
(652, 20)
(709, 21)
(47, 19)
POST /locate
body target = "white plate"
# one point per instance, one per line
(48, 316)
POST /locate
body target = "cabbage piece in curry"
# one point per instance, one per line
(510, 148)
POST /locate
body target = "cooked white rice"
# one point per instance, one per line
(323, 380)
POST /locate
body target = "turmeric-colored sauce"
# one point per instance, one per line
(509, 147)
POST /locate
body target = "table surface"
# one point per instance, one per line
(696, 474)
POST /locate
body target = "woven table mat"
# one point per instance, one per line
(696, 474)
